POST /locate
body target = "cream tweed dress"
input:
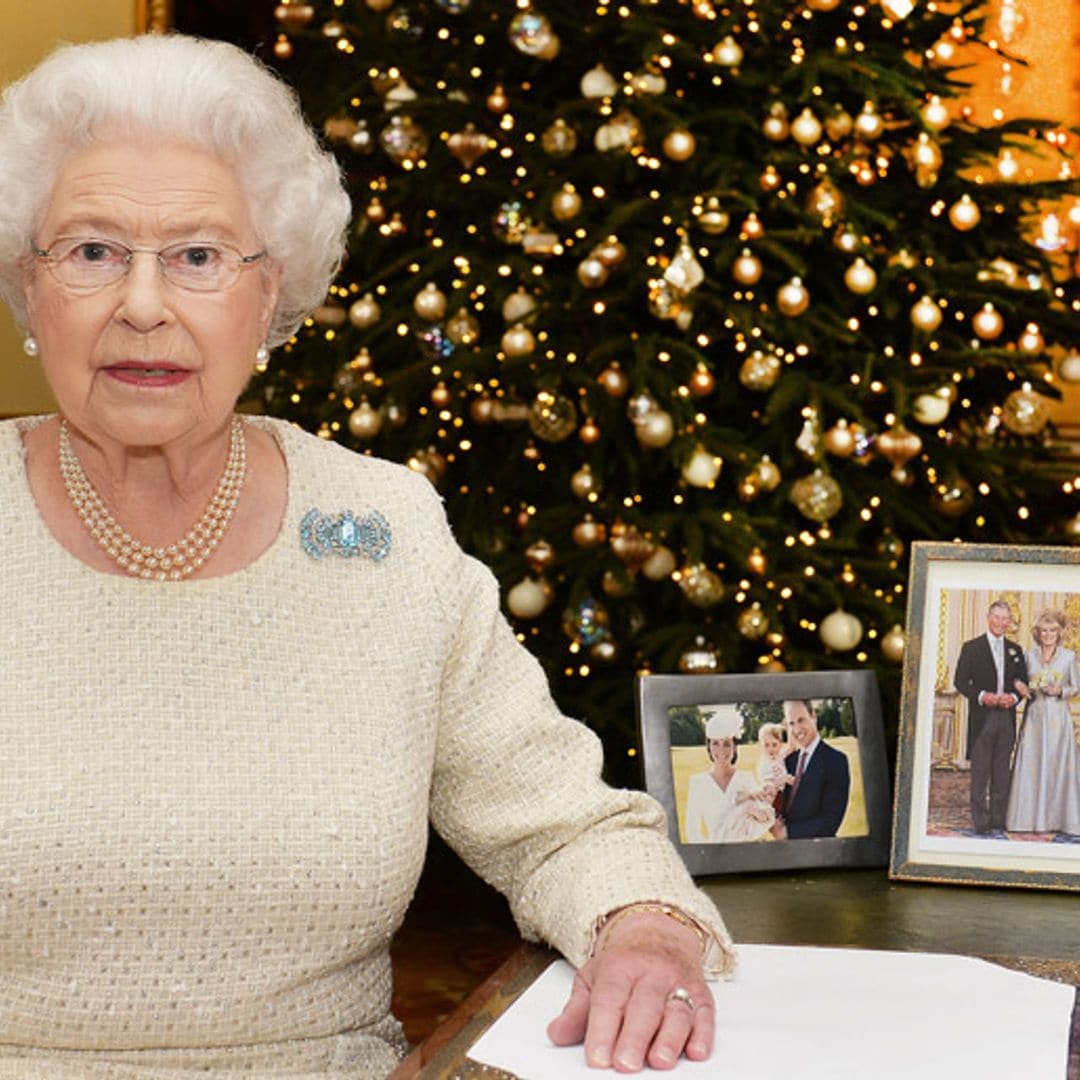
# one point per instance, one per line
(216, 792)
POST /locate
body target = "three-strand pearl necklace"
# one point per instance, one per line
(179, 560)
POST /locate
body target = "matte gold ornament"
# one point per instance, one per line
(566, 203)
(552, 417)
(540, 556)
(728, 53)
(964, 214)
(1069, 367)
(518, 341)
(679, 145)
(935, 114)
(892, 644)
(747, 268)
(869, 124)
(759, 371)
(430, 302)
(838, 124)
(701, 659)
(463, 328)
(528, 598)
(589, 432)
(702, 382)
(656, 430)
(709, 215)
(364, 421)
(776, 126)
(592, 273)
(283, 48)
(817, 496)
(825, 202)
(839, 440)
(751, 228)
(1031, 340)
(482, 410)
(584, 483)
(752, 622)
(770, 179)
(441, 395)
(468, 145)
(930, 409)
(841, 631)
(898, 445)
(332, 315)
(756, 562)
(822, 5)
(953, 498)
(926, 315)
(559, 139)
(702, 469)
(621, 132)
(701, 586)
(598, 82)
(660, 564)
(519, 306)
(649, 81)
(860, 277)
(365, 312)
(1024, 412)
(806, 128)
(294, 16)
(614, 381)
(589, 533)
(792, 298)
(845, 240)
(987, 322)
(684, 272)
(611, 252)
(497, 101)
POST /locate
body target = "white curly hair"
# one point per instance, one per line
(183, 89)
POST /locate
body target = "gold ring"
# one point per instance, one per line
(680, 993)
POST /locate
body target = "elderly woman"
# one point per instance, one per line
(244, 666)
(1045, 792)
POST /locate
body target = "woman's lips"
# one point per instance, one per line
(140, 373)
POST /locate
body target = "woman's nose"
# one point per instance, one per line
(143, 303)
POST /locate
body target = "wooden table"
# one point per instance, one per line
(1032, 931)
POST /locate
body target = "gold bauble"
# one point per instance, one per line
(748, 488)
(603, 651)
(898, 445)
(540, 556)
(770, 179)
(629, 546)
(611, 252)
(559, 139)
(375, 212)
(864, 173)
(759, 371)
(589, 432)
(566, 203)
(589, 533)
(1071, 529)
(583, 483)
(468, 145)
(839, 440)
(518, 307)
(892, 644)
(709, 215)
(756, 562)
(860, 277)
(655, 430)
(364, 421)
(817, 496)
(518, 341)
(679, 145)
(702, 469)
(660, 564)
(463, 328)
(482, 410)
(930, 409)
(868, 124)
(441, 395)
(598, 82)
(430, 302)
(825, 201)
(767, 473)
(728, 53)
(622, 132)
(845, 240)
(1068, 368)
(283, 48)
(987, 322)
(329, 315)
(701, 659)
(752, 622)
(1024, 412)
(365, 312)
(751, 228)
(614, 381)
(964, 214)
(1031, 340)
(592, 273)
(841, 631)
(701, 586)
(935, 114)
(792, 298)
(702, 382)
(823, 5)
(926, 315)
(838, 124)
(294, 15)
(806, 128)
(528, 598)
(953, 498)
(497, 101)
(429, 463)
(552, 417)
(747, 268)
(775, 126)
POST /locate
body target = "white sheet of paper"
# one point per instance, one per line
(833, 1014)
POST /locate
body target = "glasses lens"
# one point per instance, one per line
(89, 264)
(199, 266)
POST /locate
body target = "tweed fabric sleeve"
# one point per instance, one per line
(516, 787)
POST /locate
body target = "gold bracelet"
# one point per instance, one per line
(657, 909)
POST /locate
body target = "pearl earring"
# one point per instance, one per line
(30, 345)
(262, 358)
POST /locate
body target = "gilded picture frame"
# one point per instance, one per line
(728, 829)
(153, 16)
(958, 815)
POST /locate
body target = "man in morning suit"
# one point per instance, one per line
(817, 798)
(991, 673)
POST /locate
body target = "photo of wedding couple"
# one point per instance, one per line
(766, 770)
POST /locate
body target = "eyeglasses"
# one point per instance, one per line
(85, 264)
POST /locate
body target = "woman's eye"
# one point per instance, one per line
(197, 257)
(94, 251)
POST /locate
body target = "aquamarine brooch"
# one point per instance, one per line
(322, 534)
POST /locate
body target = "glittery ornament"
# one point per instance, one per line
(566, 203)
(641, 406)
(665, 301)
(926, 315)
(365, 312)
(701, 469)
(767, 473)
(509, 223)
(964, 214)
(752, 622)
(528, 598)
(1024, 412)
(365, 421)
(468, 145)
(953, 498)
(792, 298)
(808, 441)
(531, 33)
(701, 586)
(430, 302)
(586, 623)
(759, 371)
(660, 564)
(709, 215)
(825, 202)
(518, 341)
(552, 417)
(987, 322)
(519, 306)
(463, 328)
(434, 344)
(702, 659)
(817, 497)
(679, 145)
(684, 271)
(403, 140)
(860, 277)
(841, 631)
(559, 139)
(629, 546)
(747, 268)
(892, 644)
(598, 82)
(621, 132)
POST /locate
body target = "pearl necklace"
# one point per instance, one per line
(179, 560)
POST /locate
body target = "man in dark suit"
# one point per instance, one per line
(991, 673)
(817, 797)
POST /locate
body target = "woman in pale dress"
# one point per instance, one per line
(723, 803)
(1045, 792)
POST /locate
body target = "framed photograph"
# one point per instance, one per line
(988, 769)
(768, 772)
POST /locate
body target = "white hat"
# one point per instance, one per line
(726, 723)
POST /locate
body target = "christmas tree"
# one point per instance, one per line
(696, 313)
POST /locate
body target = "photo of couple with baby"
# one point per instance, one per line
(767, 770)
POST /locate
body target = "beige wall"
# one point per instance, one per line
(30, 29)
